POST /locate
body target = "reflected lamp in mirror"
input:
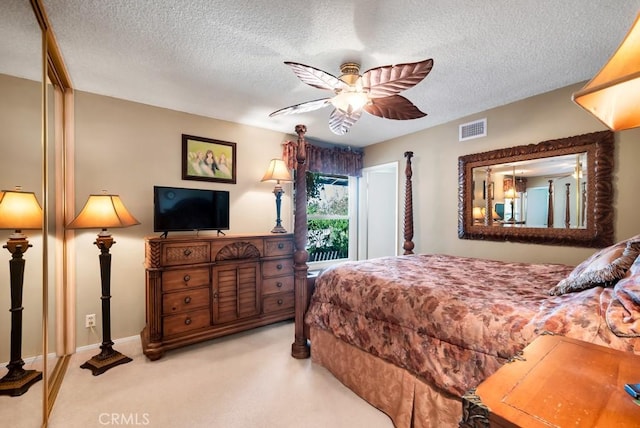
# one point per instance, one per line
(511, 190)
(478, 214)
(277, 171)
(613, 95)
(18, 211)
(104, 212)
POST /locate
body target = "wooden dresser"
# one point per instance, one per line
(198, 288)
(557, 382)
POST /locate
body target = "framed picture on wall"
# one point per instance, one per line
(488, 189)
(205, 159)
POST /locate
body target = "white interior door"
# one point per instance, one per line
(378, 212)
(537, 206)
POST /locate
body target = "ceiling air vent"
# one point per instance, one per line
(471, 130)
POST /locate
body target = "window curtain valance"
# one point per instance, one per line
(327, 160)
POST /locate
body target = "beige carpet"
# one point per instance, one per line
(245, 380)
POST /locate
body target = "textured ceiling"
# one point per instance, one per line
(225, 59)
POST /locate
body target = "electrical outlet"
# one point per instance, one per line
(90, 321)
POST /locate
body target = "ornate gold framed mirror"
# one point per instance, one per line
(557, 192)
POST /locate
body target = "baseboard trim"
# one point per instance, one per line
(52, 355)
(116, 341)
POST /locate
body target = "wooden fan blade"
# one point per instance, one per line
(393, 107)
(315, 77)
(392, 79)
(340, 121)
(302, 107)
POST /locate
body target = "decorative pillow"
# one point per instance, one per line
(623, 313)
(629, 286)
(602, 268)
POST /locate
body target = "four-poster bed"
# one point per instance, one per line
(411, 334)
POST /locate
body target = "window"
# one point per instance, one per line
(330, 217)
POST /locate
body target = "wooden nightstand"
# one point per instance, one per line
(557, 382)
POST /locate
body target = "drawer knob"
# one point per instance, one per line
(280, 302)
(187, 252)
(280, 246)
(187, 321)
(187, 300)
(279, 284)
(279, 267)
(187, 278)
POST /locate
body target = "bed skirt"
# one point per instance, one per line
(408, 401)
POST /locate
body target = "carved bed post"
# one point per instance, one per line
(488, 203)
(300, 348)
(584, 203)
(550, 207)
(567, 208)
(408, 207)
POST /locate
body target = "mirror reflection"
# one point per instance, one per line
(21, 71)
(546, 192)
(53, 261)
(557, 192)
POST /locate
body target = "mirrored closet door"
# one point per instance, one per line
(21, 139)
(36, 112)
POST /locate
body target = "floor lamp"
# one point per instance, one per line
(277, 171)
(103, 212)
(18, 211)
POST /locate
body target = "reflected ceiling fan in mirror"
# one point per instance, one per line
(375, 91)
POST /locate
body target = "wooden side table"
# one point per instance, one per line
(557, 382)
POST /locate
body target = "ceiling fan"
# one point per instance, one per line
(375, 91)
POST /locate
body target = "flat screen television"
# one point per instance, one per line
(179, 209)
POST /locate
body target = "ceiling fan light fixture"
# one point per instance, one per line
(349, 101)
(350, 73)
(375, 92)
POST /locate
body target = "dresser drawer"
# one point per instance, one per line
(278, 302)
(185, 300)
(278, 247)
(188, 321)
(277, 267)
(185, 253)
(181, 279)
(277, 285)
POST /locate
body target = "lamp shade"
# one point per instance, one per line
(19, 210)
(103, 212)
(613, 95)
(477, 213)
(277, 171)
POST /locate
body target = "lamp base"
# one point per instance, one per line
(18, 381)
(278, 229)
(105, 360)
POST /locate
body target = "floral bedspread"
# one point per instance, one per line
(453, 321)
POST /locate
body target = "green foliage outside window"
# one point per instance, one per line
(328, 238)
